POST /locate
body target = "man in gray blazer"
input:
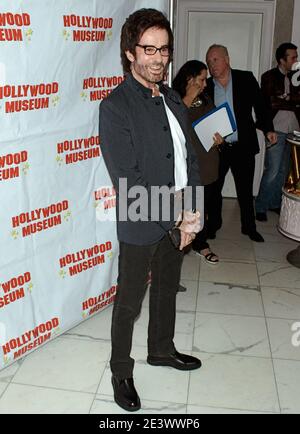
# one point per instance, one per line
(145, 141)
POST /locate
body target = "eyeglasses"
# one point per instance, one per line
(150, 50)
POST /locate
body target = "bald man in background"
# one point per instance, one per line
(241, 91)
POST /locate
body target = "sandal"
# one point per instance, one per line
(210, 258)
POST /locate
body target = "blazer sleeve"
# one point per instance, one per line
(262, 111)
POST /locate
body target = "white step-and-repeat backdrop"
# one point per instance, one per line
(58, 249)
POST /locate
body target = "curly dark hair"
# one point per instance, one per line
(190, 69)
(134, 28)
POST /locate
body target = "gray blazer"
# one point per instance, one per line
(136, 144)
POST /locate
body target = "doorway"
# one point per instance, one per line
(245, 27)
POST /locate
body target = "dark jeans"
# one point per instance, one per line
(135, 262)
(200, 242)
(242, 166)
(277, 161)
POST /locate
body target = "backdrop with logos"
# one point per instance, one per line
(58, 246)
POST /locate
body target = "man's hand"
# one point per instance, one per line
(272, 137)
(189, 227)
(186, 239)
(218, 139)
(190, 222)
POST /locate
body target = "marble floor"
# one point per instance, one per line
(236, 316)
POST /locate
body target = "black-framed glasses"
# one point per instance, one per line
(150, 50)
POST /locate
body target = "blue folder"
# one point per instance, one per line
(229, 112)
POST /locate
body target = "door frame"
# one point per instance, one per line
(266, 8)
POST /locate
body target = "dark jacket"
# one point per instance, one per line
(208, 162)
(136, 144)
(272, 86)
(246, 96)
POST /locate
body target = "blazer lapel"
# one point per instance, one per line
(235, 94)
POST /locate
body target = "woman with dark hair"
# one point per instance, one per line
(190, 83)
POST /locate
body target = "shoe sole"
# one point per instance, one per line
(203, 256)
(123, 405)
(262, 240)
(211, 262)
(181, 289)
(180, 368)
(127, 408)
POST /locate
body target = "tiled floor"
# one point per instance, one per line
(236, 316)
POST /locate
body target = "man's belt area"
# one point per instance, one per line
(227, 145)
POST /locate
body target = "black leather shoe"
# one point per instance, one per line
(181, 288)
(261, 217)
(211, 235)
(277, 210)
(125, 394)
(254, 236)
(176, 360)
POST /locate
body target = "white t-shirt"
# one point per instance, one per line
(180, 153)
